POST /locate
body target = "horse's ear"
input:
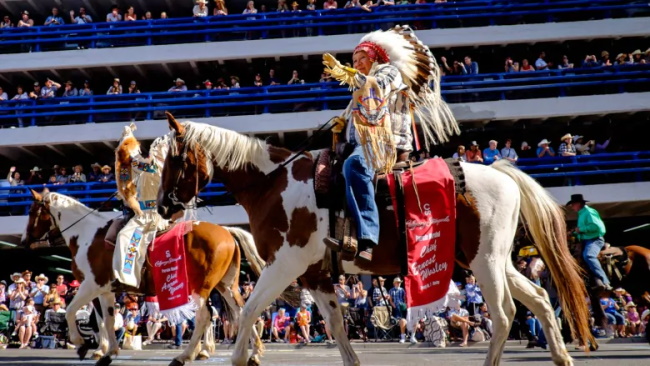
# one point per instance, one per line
(45, 191)
(36, 195)
(174, 124)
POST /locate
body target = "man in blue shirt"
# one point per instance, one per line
(469, 67)
(491, 153)
(54, 19)
(544, 150)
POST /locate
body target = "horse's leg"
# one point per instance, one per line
(87, 291)
(329, 308)
(273, 280)
(535, 298)
(107, 301)
(102, 335)
(202, 317)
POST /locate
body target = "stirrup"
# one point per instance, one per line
(333, 244)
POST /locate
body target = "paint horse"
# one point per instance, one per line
(213, 255)
(288, 228)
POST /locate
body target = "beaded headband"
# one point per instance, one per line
(374, 51)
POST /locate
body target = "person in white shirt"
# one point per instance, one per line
(200, 9)
(541, 64)
(118, 327)
(3, 95)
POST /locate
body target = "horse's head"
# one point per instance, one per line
(186, 171)
(40, 221)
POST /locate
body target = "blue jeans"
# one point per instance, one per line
(536, 330)
(615, 318)
(119, 334)
(590, 254)
(178, 340)
(360, 195)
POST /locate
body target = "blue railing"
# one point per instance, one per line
(314, 96)
(306, 23)
(559, 171)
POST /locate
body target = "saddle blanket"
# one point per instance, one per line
(169, 270)
(430, 213)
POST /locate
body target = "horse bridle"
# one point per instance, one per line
(180, 159)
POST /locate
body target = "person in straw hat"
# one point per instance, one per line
(39, 292)
(200, 9)
(12, 287)
(590, 230)
(96, 171)
(633, 319)
(567, 148)
(106, 175)
(179, 86)
(636, 56)
(35, 176)
(56, 308)
(544, 150)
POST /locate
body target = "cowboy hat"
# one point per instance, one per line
(645, 313)
(107, 167)
(576, 198)
(75, 283)
(543, 142)
(619, 289)
(116, 79)
(295, 3)
(35, 169)
(41, 276)
(397, 279)
(20, 280)
(380, 278)
(630, 304)
(577, 137)
(14, 275)
(179, 80)
(566, 136)
(647, 52)
(604, 53)
(235, 77)
(473, 143)
(637, 52)
(95, 165)
(56, 302)
(26, 272)
(621, 55)
(201, 1)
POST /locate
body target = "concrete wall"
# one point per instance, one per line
(435, 38)
(272, 123)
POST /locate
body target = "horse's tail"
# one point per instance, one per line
(545, 221)
(247, 244)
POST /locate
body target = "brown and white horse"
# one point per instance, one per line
(289, 229)
(212, 255)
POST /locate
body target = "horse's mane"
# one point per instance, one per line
(226, 148)
(62, 201)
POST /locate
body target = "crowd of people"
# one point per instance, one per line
(59, 175)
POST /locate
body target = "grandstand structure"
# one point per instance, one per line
(489, 105)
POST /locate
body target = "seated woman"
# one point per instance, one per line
(303, 318)
(459, 318)
(26, 324)
(281, 326)
(131, 320)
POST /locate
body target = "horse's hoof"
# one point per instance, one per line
(176, 362)
(254, 361)
(82, 351)
(104, 361)
(203, 355)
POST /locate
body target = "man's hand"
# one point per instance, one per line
(339, 124)
(12, 169)
(331, 62)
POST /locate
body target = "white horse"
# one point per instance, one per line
(289, 228)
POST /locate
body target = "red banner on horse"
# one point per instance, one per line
(430, 210)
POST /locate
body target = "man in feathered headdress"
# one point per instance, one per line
(137, 184)
(394, 80)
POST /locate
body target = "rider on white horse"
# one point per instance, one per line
(394, 77)
(138, 182)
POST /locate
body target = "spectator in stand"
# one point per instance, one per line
(509, 153)
(20, 93)
(106, 175)
(511, 66)
(133, 88)
(258, 80)
(61, 288)
(74, 288)
(14, 177)
(380, 296)
(544, 150)
(590, 61)
(36, 93)
(565, 64)
(622, 59)
(147, 16)
(130, 15)
(3, 293)
(163, 15)
(69, 90)
(27, 276)
(56, 308)
(25, 21)
(82, 18)
(272, 79)
(647, 55)
(77, 176)
(303, 318)
(295, 7)
(456, 70)
(526, 66)
(567, 148)
(614, 318)
(311, 5)
(50, 89)
(633, 320)
(6, 22)
(636, 57)
(250, 9)
(39, 291)
(86, 92)
(207, 84)
(459, 318)
(51, 296)
(342, 290)
(93, 176)
(220, 8)
(179, 87)
(200, 9)
(3, 95)
(491, 154)
(62, 177)
(221, 84)
(604, 59)
(460, 153)
(281, 326)
(118, 326)
(234, 82)
(352, 4)
(35, 176)
(116, 88)
(282, 6)
(526, 150)
(19, 294)
(54, 19)
(473, 155)
(469, 67)
(330, 5)
(541, 64)
(25, 325)
(114, 15)
(295, 78)
(132, 319)
(473, 294)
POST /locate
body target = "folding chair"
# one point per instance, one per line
(56, 326)
(5, 323)
(383, 324)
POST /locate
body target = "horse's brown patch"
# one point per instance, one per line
(74, 248)
(302, 169)
(468, 229)
(100, 258)
(303, 224)
(317, 279)
(278, 154)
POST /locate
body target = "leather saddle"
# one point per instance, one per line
(613, 260)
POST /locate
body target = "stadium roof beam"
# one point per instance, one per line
(80, 146)
(5, 79)
(111, 70)
(109, 144)
(141, 72)
(29, 152)
(58, 76)
(220, 62)
(56, 150)
(40, 9)
(84, 73)
(89, 7)
(30, 76)
(167, 69)
(195, 67)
